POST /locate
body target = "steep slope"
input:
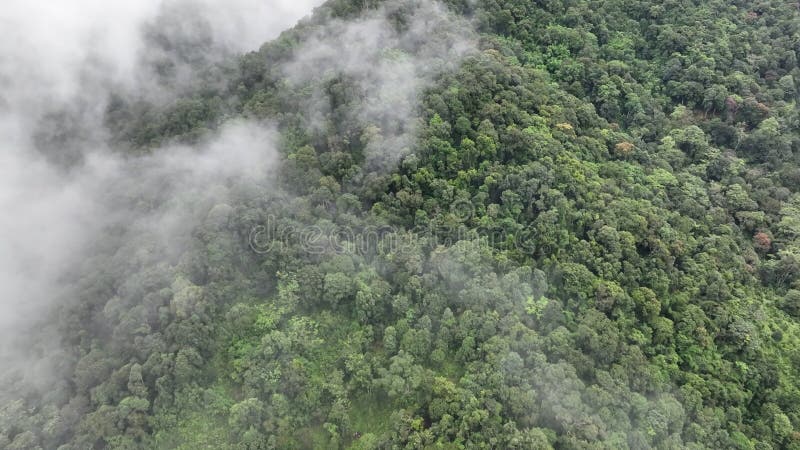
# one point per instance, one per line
(492, 225)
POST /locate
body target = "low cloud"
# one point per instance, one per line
(390, 55)
(59, 63)
(57, 218)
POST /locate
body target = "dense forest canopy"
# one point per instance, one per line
(414, 224)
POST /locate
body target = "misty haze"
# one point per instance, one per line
(399, 224)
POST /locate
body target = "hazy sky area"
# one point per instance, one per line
(67, 56)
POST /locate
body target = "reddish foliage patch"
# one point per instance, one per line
(762, 242)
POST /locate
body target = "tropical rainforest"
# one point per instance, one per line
(485, 224)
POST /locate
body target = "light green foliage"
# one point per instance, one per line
(592, 242)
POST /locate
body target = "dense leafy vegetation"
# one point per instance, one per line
(593, 241)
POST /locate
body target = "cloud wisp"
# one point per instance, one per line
(65, 59)
(390, 56)
(80, 200)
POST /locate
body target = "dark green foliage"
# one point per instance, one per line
(593, 243)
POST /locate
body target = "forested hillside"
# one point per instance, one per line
(486, 224)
